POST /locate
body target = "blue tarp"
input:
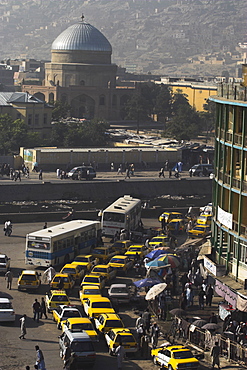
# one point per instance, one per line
(155, 253)
(146, 282)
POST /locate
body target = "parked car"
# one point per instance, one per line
(55, 298)
(81, 344)
(108, 321)
(201, 170)
(117, 335)
(29, 279)
(63, 312)
(80, 324)
(82, 172)
(7, 312)
(174, 357)
(4, 263)
(88, 291)
(120, 292)
(93, 307)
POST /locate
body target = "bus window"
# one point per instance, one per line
(60, 244)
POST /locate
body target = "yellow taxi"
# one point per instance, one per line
(121, 246)
(93, 307)
(199, 231)
(168, 216)
(115, 336)
(77, 324)
(174, 357)
(105, 270)
(108, 321)
(103, 254)
(176, 224)
(205, 219)
(67, 281)
(88, 291)
(159, 241)
(74, 270)
(121, 263)
(55, 298)
(93, 279)
(136, 250)
(28, 279)
(62, 312)
(86, 260)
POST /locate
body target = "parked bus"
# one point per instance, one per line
(124, 213)
(61, 243)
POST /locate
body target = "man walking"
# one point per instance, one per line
(36, 310)
(215, 353)
(120, 352)
(9, 279)
(40, 361)
(23, 327)
(43, 308)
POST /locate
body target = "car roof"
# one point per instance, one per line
(78, 336)
(121, 331)
(60, 292)
(136, 245)
(68, 307)
(91, 275)
(30, 272)
(73, 320)
(99, 299)
(68, 265)
(3, 255)
(95, 287)
(118, 286)
(84, 255)
(122, 256)
(110, 316)
(60, 274)
(4, 300)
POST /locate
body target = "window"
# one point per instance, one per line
(29, 120)
(82, 83)
(36, 119)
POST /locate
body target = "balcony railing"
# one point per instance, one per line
(232, 91)
(229, 136)
(227, 179)
(238, 139)
(236, 183)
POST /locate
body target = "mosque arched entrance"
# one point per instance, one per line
(83, 106)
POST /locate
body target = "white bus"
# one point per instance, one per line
(59, 244)
(124, 213)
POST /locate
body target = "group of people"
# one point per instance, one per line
(147, 332)
(237, 328)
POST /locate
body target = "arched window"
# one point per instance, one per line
(102, 100)
(82, 83)
(51, 98)
(40, 96)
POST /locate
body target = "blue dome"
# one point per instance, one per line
(82, 36)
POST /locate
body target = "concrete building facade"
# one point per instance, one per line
(229, 232)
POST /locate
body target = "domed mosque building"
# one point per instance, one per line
(81, 74)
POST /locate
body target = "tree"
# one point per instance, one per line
(137, 109)
(163, 102)
(60, 110)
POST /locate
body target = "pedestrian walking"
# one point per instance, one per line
(209, 295)
(49, 274)
(120, 352)
(146, 320)
(155, 332)
(213, 319)
(127, 174)
(140, 333)
(201, 298)
(9, 279)
(215, 353)
(23, 327)
(112, 166)
(40, 361)
(40, 174)
(162, 172)
(45, 225)
(43, 308)
(67, 356)
(189, 296)
(120, 169)
(36, 310)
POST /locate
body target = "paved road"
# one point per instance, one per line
(16, 353)
(101, 176)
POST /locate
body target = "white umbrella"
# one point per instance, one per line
(155, 290)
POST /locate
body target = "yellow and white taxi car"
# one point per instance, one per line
(106, 271)
(93, 307)
(67, 281)
(28, 280)
(108, 321)
(87, 261)
(115, 336)
(62, 312)
(93, 279)
(121, 263)
(74, 270)
(77, 324)
(174, 357)
(89, 291)
(135, 250)
(55, 298)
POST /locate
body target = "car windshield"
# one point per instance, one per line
(125, 338)
(29, 277)
(199, 228)
(99, 251)
(182, 355)
(134, 249)
(91, 280)
(71, 313)
(100, 269)
(2, 260)
(57, 279)
(92, 291)
(119, 290)
(101, 305)
(81, 259)
(117, 260)
(114, 324)
(5, 306)
(60, 298)
(158, 240)
(69, 270)
(82, 326)
(82, 347)
(118, 245)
